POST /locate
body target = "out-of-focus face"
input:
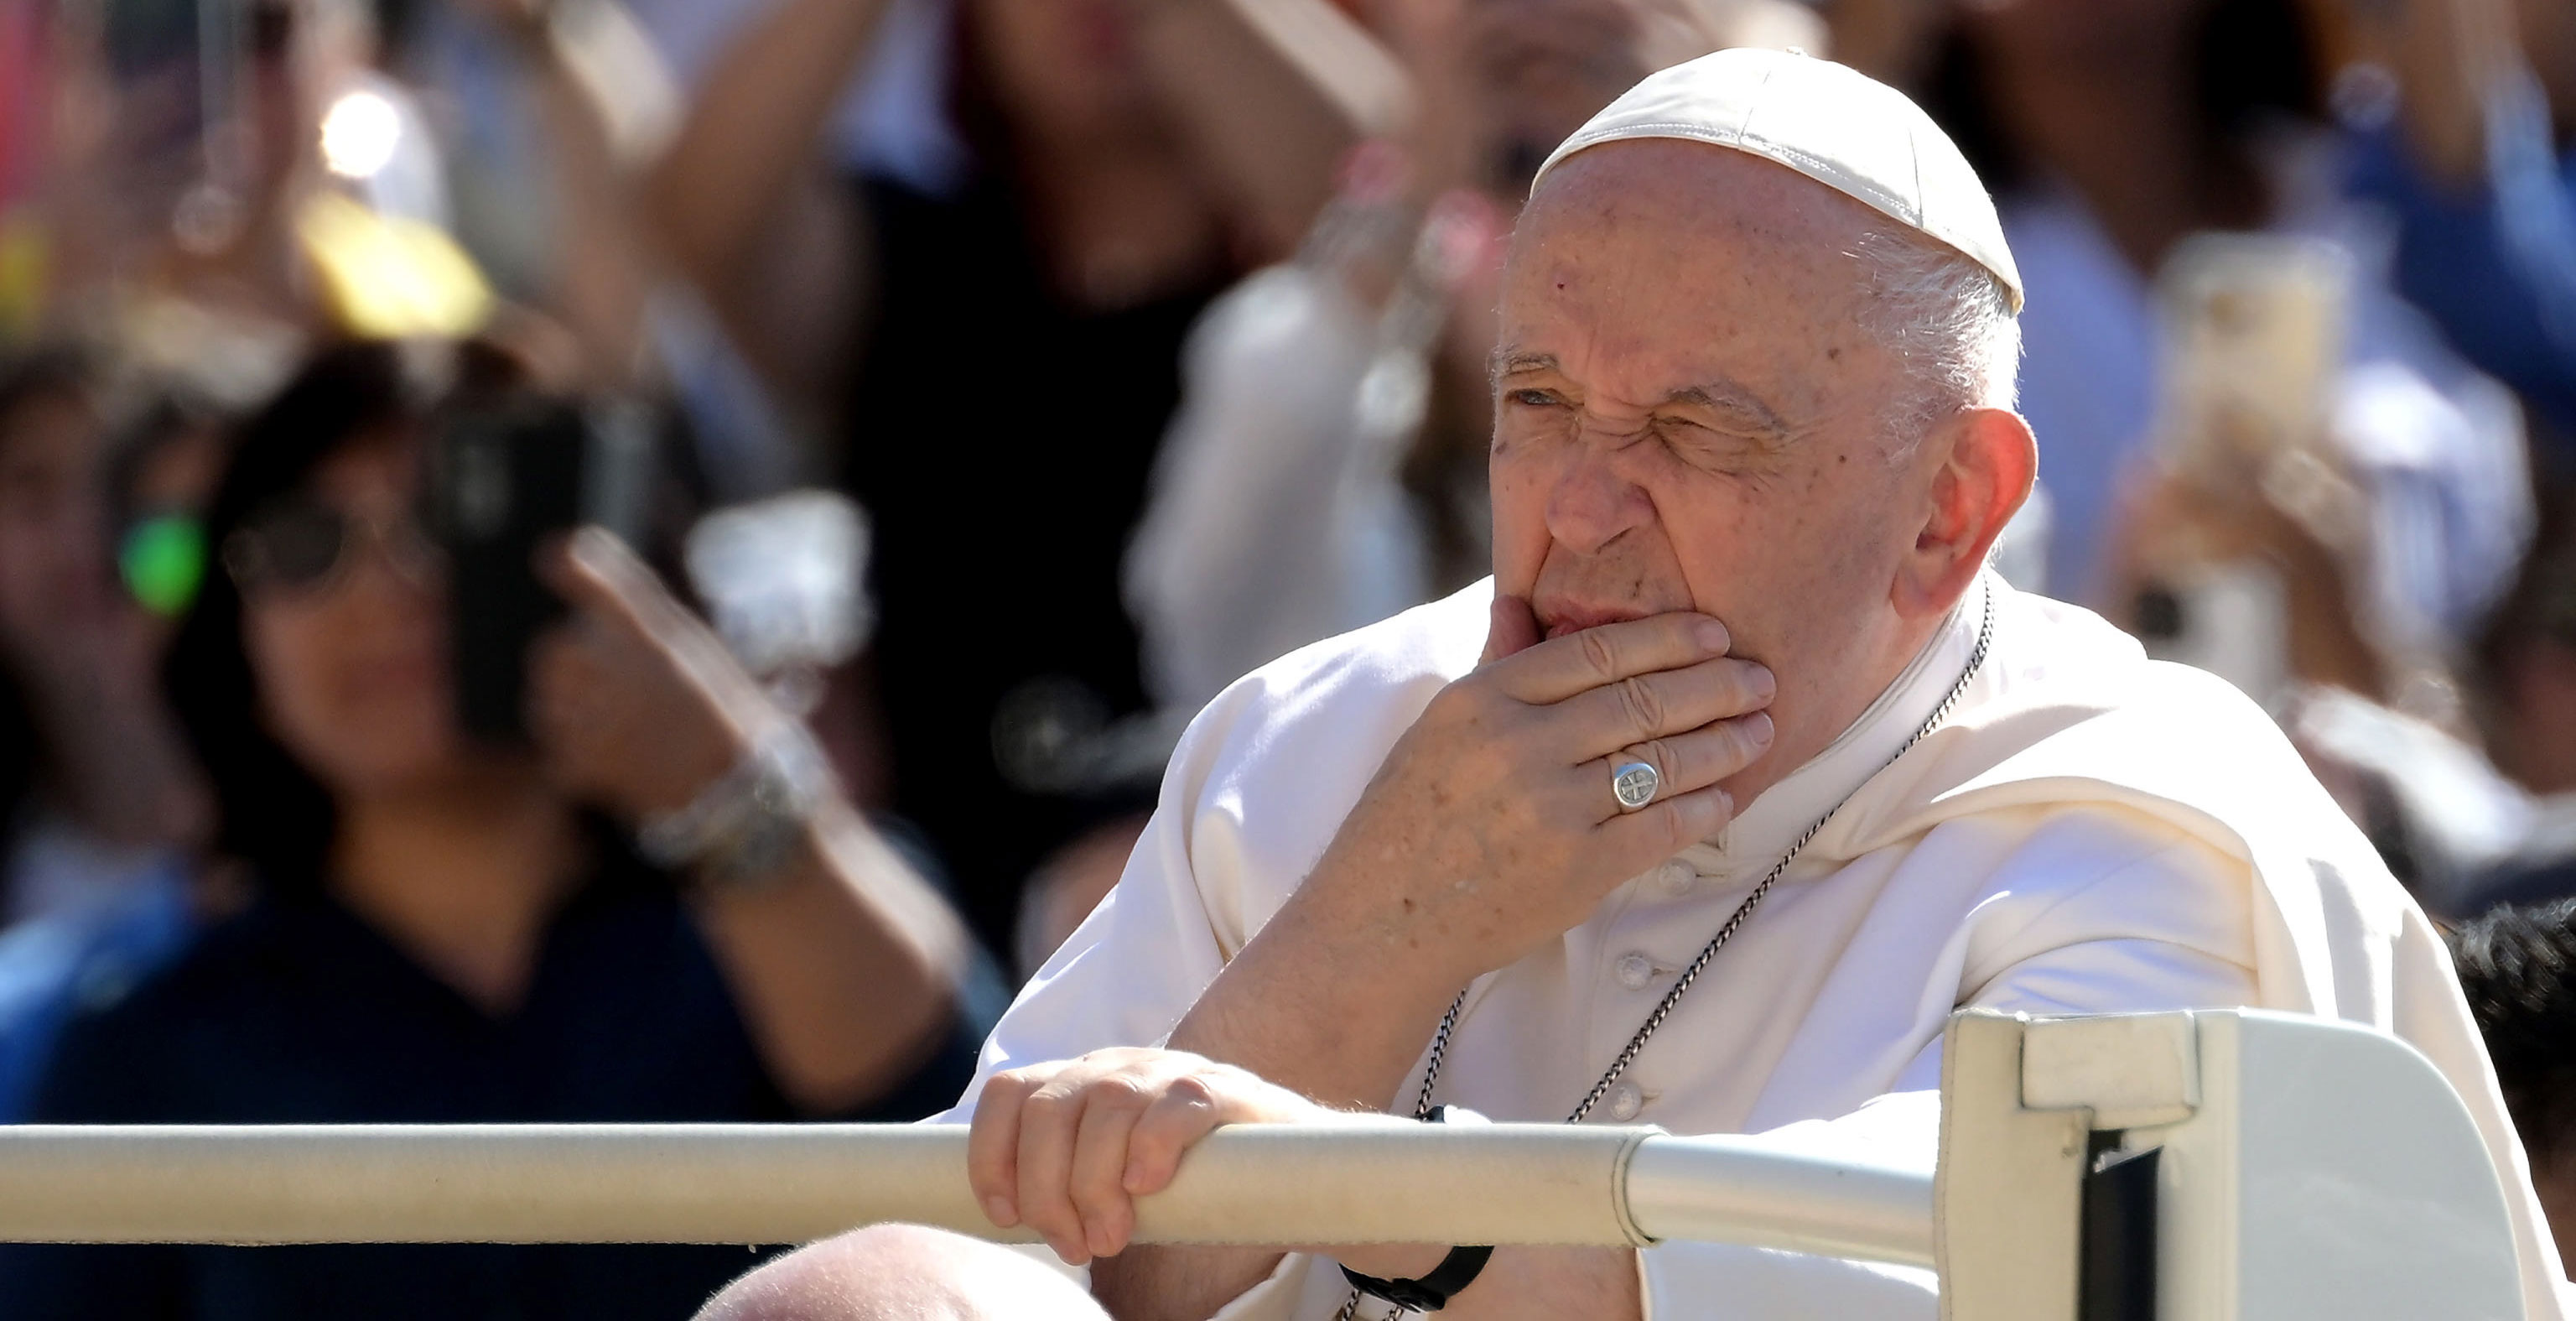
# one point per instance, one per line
(53, 562)
(1540, 68)
(1065, 68)
(1687, 418)
(352, 670)
(1543, 67)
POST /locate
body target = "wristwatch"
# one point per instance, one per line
(1430, 1293)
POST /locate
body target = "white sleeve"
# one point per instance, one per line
(1125, 978)
(1254, 793)
(2151, 934)
(1126, 975)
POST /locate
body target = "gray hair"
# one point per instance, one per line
(1950, 324)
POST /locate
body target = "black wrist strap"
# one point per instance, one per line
(1431, 1292)
(1455, 1272)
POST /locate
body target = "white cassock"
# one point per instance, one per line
(2088, 832)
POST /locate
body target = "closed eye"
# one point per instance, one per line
(1715, 449)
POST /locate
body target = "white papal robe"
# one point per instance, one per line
(2088, 831)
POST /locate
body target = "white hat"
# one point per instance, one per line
(1833, 124)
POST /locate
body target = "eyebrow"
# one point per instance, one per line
(1721, 395)
(1734, 400)
(1508, 360)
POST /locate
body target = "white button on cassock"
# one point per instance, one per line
(1626, 1100)
(1635, 970)
(1676, 877)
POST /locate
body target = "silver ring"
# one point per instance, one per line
(1635, 784)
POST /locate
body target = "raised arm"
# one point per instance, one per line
(604, 103)
(742, 201)
(845, 962)
(1267, 95)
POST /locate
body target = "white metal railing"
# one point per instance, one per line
(2303, 1168)
(725, 1183)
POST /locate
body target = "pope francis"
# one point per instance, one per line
(1738, 778)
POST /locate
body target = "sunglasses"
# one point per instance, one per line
(306, 546)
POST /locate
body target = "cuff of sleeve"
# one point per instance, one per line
(1275, 1298)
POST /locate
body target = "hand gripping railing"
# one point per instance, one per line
(721, 1183)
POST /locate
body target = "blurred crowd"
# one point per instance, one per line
(959, 394)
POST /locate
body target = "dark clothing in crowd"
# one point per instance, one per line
(1002, 443)
(2523, 883)
(297, 1011)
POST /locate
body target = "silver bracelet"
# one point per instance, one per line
(742, 829)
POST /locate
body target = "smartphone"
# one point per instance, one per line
(2253, 341)
(506, 478)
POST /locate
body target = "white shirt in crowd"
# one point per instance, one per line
(1276, 519)
(2088, 831)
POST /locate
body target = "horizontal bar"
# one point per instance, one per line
(1744, 1190)
(744, 1183)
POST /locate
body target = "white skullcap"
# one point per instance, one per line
(1833, 124)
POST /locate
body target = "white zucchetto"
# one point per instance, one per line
(1833, 124)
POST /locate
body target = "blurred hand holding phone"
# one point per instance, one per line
(507, 477)
(2254, 342)
(2245, 503)
(564, 639)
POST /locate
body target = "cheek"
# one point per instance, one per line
(1520, 478)
(1728, 544)
(1788, 558)
(290, 663)
(353, 709)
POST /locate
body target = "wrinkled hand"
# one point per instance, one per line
(1066, 1148)
(1491, 826)
(636, 704)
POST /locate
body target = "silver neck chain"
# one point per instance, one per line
(1734, 922)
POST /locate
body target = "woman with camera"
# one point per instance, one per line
(658, 909)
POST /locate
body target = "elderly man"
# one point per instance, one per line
(1739, 778)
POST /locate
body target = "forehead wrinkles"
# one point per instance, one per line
(1711, 211)
(1639, 303)
(1595, 297)
(1690, 261)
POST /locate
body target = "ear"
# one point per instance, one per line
(1982, 463)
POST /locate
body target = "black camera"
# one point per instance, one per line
(507, 477)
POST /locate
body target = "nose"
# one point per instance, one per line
(1593, 503)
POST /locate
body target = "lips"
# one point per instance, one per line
(1560, 618)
